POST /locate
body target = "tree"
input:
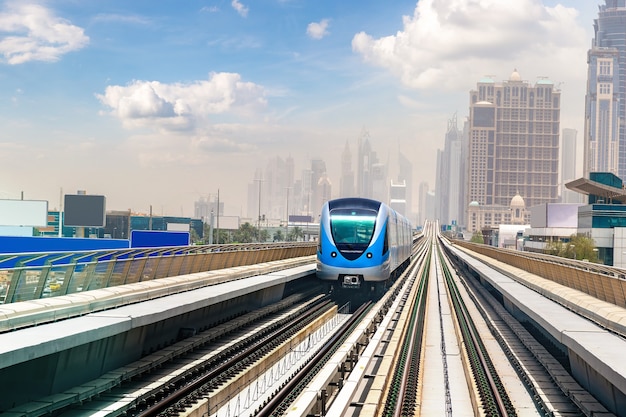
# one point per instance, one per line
(278, 236)
(579, 247)
(295, 234)
(477, 237)
(194, 239)
(245, 234)
(222, 238)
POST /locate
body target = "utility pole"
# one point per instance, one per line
(258, 230)
(287, 223)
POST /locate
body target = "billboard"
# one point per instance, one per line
(16, 230)
(32, 244)
(23, 213)
(227, 222)
(178, 227)
(157, 238)
(554, 215)
(82, 210)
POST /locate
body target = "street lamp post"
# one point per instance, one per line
(287, 222)
(258, 230)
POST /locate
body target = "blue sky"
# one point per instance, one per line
(163, 102)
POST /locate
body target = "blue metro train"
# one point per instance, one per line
(362, 243)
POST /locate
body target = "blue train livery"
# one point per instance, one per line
(362, 243)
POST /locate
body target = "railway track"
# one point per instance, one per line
(489, 363)
(492, 395)
(207, 361)
(437, 337)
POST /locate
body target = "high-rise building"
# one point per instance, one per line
(422, 214)
(346, 183)
(568, 165)
(513, 142)
(324, 192)
(397, 197)
(318, 170)
(605, 102)
(255, 200)
(204, 208)
(366, 158)
(380, 186)
(450, 176)
(405, 174)
(278, 179)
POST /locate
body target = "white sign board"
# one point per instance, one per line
(23, 213)
(178, 227)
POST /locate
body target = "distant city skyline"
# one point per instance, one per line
(302, 190)
(159, 104)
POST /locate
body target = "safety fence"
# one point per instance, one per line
(603, 282)
(67, 273)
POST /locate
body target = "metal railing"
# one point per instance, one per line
(38, 276)
(603, 282)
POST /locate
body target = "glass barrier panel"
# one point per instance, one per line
(186, 266)
(150, 268)
(118, 275)
(101, 275)
(135, 271)
(78, 277)
(163, 266)
(26, 285)
(55, 281)
(5, 282)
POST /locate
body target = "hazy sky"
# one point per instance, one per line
(163, 102)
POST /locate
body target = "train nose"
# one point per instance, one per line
(351, 281)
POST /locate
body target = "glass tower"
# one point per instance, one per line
(605, 101)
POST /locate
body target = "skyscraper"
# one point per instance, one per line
(450, 164)
(346, 184)
(318, 170)
(568, 165)
(366, 158)
(605, 137)
(397, 197)
(513, 142)
(405, 174)
(422, 211)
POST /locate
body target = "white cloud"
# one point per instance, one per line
(178, 106)
(241, 9)
(318, 30)
(121, 18)
(453, 43)
(31, 32)
(210, 9)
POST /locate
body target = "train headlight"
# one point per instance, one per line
(333, 254)
(369, 255)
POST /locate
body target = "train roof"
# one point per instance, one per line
(354, 202)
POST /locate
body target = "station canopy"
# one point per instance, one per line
(589, 187)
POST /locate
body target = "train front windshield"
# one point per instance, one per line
(352, 227)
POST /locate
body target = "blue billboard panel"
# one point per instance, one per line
(158, 238)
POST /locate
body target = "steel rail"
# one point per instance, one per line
(494, 398)
(287, 391)
(190, 389)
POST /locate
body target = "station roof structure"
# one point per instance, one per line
(589, 187)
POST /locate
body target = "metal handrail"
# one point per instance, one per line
(91, 270)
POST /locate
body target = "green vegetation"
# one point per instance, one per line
(247, 233)
(579, 247)
(477, 237)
